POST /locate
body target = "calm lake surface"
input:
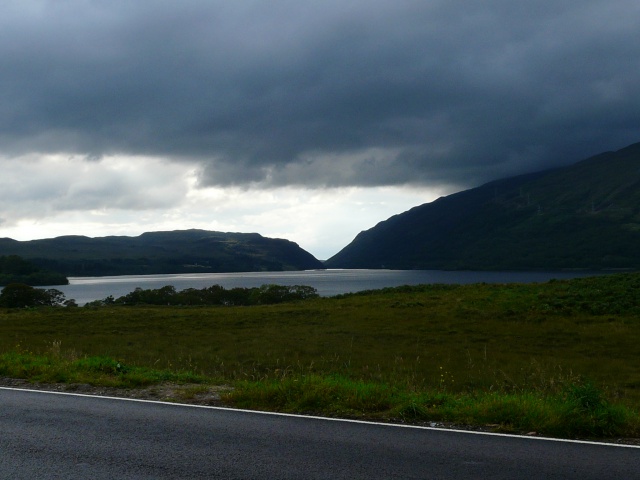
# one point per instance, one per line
(327, 282)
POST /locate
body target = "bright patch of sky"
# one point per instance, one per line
(129, 196)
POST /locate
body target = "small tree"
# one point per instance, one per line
(19, 295)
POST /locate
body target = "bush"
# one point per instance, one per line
(19, 295)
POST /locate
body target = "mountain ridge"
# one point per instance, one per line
(582, 216)
(176, 251)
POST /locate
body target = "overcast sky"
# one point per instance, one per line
(304, 120)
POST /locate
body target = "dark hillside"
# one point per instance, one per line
(162, 252)
(14, 269)
(583, 216)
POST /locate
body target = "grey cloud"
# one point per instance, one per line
(323, 94)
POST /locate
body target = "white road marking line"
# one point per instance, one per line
(331, 419)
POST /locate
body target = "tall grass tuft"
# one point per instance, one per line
(314, 394)
(581, 411)
(98, 371)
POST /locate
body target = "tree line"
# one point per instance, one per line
(15, 269)
(18, 295)
(213, 295)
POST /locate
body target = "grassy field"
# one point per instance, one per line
(561, 358)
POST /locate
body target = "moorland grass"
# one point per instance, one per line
(564, 413)
(518, 357)
(99, 371)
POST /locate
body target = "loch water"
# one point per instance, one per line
(326, 282)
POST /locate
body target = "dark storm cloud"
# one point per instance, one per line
(323, 93)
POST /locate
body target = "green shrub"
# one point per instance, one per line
(19, 295)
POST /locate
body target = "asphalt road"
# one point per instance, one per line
(44, 435)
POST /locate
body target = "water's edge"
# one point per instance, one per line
(326, 282)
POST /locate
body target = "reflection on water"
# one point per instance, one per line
(327, 282)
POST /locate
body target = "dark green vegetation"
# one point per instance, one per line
(14, 269)
(214, 295)
(559, 358)
(19, 295)
(162, 252)
(104, 371)
(584, 216)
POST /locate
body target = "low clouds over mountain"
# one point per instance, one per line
(323, 93)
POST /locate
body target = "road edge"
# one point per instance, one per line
(316, 417)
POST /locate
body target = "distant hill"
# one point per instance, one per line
(185, 251)
(585, 216)
(14, 269)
